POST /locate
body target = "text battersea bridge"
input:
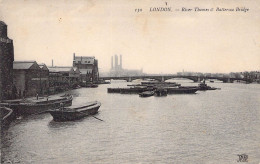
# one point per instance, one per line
(167, 77)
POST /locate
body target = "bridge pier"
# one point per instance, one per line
(129, 79)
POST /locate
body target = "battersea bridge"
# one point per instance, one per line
(167, 77)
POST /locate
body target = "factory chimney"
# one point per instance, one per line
(116, 62)
(111, 62)
(120, 61)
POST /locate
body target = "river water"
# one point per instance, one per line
(207, 127)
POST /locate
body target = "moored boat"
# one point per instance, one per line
(203, 87)
(182, 90)
(27, 108)
(7, 116)
(76, 112)
(160, 92)
(146, 94)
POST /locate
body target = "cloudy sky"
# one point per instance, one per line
(158, 42)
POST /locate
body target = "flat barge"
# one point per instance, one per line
(23, 108)
(75, 112)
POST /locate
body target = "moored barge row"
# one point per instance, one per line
(23, 108)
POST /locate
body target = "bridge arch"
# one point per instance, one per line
(193, 78)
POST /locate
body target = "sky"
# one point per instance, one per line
(157, 42)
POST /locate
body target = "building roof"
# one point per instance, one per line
(43, 66)
(76, 70)
(61, 69)
(25, 65)
(1, 22)
(85, 71)
(85, 59)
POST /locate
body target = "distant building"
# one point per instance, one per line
(117, 69)
(63, 78)
(27, 78)
(44, 79)
(7, 88)
(88, 68)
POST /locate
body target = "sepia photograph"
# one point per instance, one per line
(130, 81)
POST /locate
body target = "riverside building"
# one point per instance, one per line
(88, 68)
(6, 64)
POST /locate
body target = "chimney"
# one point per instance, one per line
(111, 62)
(121, 61)
(116, 62)
(73, 56)
(3, 29)
(52, 62)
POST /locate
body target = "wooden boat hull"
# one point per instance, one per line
(208, 88)
(146, 94)
(134, 90)
(72, 114)
(181, 90)
(7, 116)
(160, 92)
(23, 109)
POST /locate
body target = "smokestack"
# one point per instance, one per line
(116, 61)
(121, 61)
(111, 62)
(52, 62)
(73, 56)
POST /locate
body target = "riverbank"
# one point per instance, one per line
(12, 109)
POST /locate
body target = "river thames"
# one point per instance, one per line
(206, 127)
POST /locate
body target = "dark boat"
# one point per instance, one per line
(7, 116)
(182, 90)
(89, 85)
(204, 87)
(75, 113)
(156, 83)
(113, 90)
(146, 94)
(27, 108)
(160, 92)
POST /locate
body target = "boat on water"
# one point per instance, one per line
(6, 116)
(160, 92)
(75, 112)
(182, 90)
(89, 85)
(156, 84)
(203, 87)
(146, 94)
(22, 108)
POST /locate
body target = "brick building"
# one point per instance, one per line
(44, 79)
(6, 64)
(88, 67)
(26, 78)
(63, 78)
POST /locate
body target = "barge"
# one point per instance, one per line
(23, 108)
(75, 112)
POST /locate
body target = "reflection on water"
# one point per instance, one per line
(60, 125)
(207, 127)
